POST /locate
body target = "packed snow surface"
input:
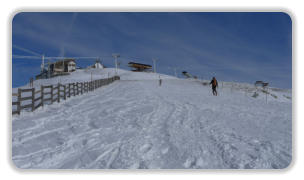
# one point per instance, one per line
(135, 123)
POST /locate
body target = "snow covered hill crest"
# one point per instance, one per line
(136, 123)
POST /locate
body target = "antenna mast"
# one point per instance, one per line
(154, 64)
(116, 55)
(42, 63)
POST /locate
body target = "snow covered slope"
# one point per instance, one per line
(135, 123)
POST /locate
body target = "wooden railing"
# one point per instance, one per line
(56, 93)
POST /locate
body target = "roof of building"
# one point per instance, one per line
(134, 64)
(64, 60)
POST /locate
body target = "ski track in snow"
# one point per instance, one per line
(137, 124)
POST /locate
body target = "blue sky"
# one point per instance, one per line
(242, 47)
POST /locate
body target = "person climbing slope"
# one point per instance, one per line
(214, 86)
(160, 81)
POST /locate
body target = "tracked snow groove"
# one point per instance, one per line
(137, 124)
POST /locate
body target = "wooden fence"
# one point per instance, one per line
(56, 93)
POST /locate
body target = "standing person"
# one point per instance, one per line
(214, 86)
(160, 81)
(31, 82)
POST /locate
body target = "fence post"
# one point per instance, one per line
(19, 101)
(77, 88)
(69, 90)
(81, 87)
(64, 93)
(33, 99)
(41, 95)
(51, 94)
(73, 89)
(58, 93)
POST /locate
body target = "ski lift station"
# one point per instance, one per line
(61, 67)
(138, 67)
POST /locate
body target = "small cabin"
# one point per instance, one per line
(257, 83)
(63, 66)
(139, 67)
(97, 65)
(261, 83)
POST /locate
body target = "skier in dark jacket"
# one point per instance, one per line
(214, 86)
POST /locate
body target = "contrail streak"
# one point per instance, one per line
(26, 50)
(68, 32)
(26, 57)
